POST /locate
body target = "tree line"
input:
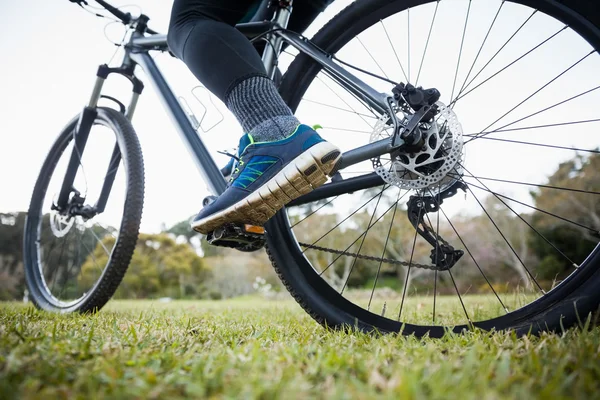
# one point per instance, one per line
(558, 229)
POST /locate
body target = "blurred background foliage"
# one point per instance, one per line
(178, 262)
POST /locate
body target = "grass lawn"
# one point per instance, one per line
(253, 348)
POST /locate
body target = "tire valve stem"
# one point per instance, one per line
(383, 310)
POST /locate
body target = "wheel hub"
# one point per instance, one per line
(436, 163)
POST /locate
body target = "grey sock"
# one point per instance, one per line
(260, 110)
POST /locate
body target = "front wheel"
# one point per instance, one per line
(76, 257)
(508, 170)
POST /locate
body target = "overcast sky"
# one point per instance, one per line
(51, 50)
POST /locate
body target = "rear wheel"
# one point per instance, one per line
(75, 259)
(513, 189)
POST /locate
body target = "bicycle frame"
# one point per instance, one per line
(137, 53)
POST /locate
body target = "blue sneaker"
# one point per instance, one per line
(269, 175)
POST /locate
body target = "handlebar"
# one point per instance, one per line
(126, 18)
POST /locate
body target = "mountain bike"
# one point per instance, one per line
(465, 198)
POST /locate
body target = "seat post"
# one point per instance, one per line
(281, 19)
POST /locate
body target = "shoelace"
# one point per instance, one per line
(226, 153)
(234, 168)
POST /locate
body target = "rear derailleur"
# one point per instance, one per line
(443, 255)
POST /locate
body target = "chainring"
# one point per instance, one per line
(431, 167)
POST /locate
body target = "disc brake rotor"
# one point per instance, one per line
(436, 165)
(61, 224)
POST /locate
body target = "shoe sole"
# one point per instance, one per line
(301, 176)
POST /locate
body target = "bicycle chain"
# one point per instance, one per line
(356, 255)
(386, 260)
(372, 258)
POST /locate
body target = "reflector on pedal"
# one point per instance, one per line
(254, 229)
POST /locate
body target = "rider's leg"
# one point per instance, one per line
(292, 159)
(202, 35)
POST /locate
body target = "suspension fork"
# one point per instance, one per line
(82, 131)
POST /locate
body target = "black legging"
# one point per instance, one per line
(201, 34)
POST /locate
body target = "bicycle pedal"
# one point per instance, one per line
(242, 237)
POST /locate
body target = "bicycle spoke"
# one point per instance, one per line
(510, 65)
(71, 267)
(394, 50)
(434, 293)
(408, 40)
(362, 100)
(344, 101)
(79, 250)
(513, 248)
(486, 189)
(338, 108)
(362, 242)
(534, 144)
(462, 42)
(360, 236)
(55, 273)
(364, 71)
(79, 157)
(384, 249)
(505, 240)
(347, 130)
(105, 229)
(587, 228)
(534, 93)
(460, 297)
(585, 121)
(480, 49)
(427, 42)
(52, 245)
(499, 50)
(412, 252)
(372, 58)
(502, 128)
(349, 216)
(470, 254)
(326, 204)
(111, 168)
(100, 242)
(91, 253)
(437, 245)
(526, 183)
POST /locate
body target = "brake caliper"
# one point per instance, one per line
(443, 254)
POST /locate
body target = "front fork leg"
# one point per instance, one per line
(113, 166)
(81, 133)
